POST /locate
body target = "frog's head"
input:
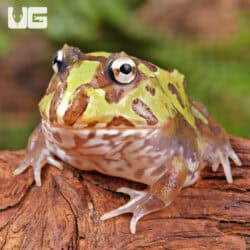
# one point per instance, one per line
(105, 90)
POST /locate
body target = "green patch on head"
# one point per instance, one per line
(44, 104)
(164, 77)
(100, 110)
(144, 69)
(79, 74)
(99, 53)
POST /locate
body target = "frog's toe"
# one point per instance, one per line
(51, 160)
(222, 157)
(226, 167)
(21, 168)
(131, 192)
(229, 154)
(135, 197)
(235, 157)
(37, 175)
(215, 166)
(136, 205)
(141, 203)
(37, 164)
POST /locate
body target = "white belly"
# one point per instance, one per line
(134, 154)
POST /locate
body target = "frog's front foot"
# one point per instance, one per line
(215, 143)
(37, 155)
(140, 204)
(222, 156)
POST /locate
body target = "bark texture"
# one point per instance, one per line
(65, 212)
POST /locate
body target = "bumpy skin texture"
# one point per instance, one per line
(143, 128)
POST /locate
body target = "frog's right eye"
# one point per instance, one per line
(122, 70)
(59, 63)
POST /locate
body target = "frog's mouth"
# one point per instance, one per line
(117, 123)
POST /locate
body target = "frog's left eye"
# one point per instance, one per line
(122, 70)
(59, 63)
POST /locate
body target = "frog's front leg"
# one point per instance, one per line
(214, 141)
(37, 155)
(157, 196)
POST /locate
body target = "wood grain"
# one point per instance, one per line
(65, 212)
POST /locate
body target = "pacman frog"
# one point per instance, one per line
(125, 117)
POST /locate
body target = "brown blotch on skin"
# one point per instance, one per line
(170, 70)
(140, 76)
(174, 91)
(72, 54)
(78, 141)
(139, 173)
(56, 101)
(92, 134)
(110, 137)
(115, 92)
(52, 85)
(63, 75)
(150, 89)
(92, 124)
(151, 66)
(144, 111)
(57, 137)
(113, 95)
(120, 169)
(100, 80)
(118, 121)
(77, 107)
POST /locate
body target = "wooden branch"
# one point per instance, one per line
(65, 212)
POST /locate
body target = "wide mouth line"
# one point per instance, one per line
(66, 127)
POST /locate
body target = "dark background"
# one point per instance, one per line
(207, 40)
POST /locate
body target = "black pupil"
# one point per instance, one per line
(126, 68)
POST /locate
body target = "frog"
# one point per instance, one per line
(126, 117)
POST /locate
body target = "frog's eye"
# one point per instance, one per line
(122, 70)
(59, 64)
